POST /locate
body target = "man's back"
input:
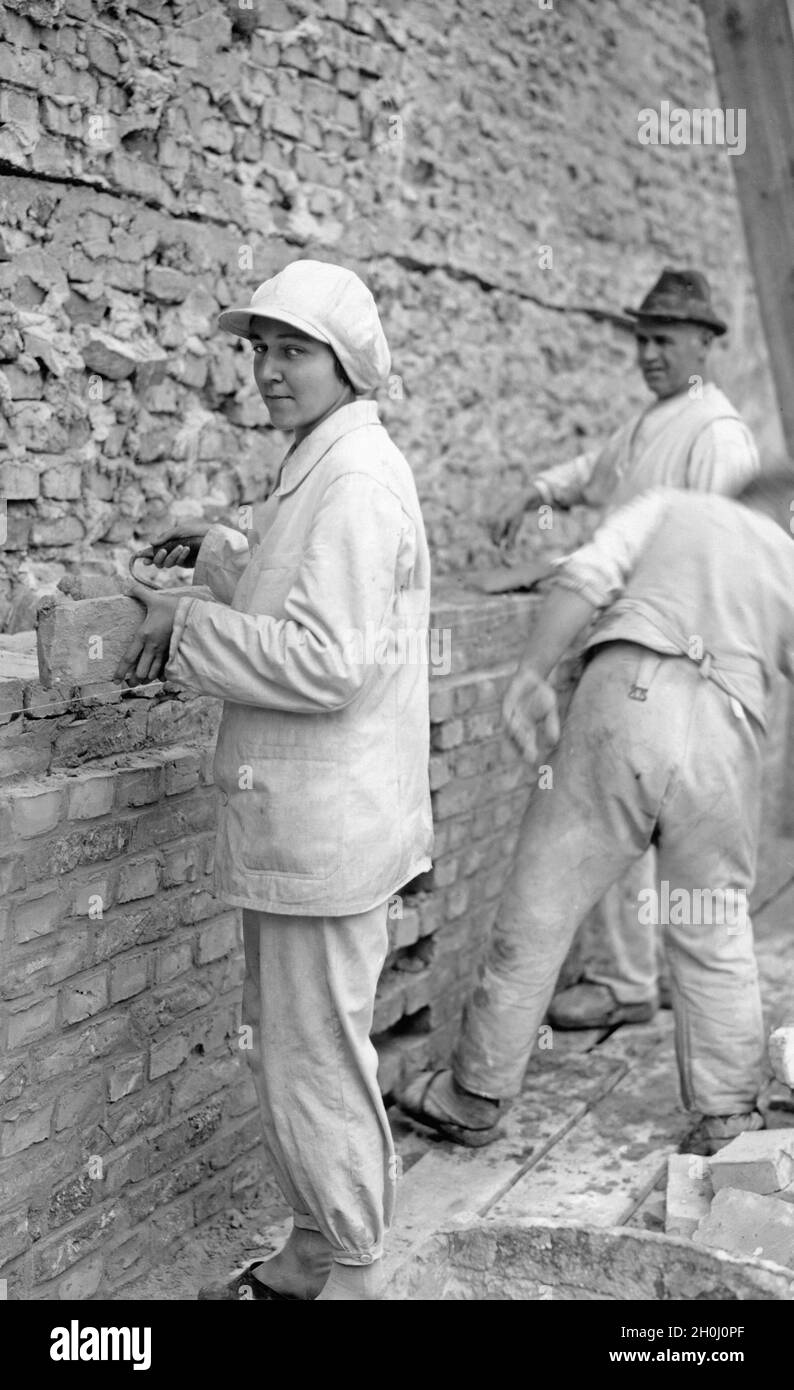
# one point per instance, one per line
(699, 575)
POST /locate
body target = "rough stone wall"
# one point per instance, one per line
(163, 158)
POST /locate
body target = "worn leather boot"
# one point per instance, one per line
(588, 1005)
(715, 1131)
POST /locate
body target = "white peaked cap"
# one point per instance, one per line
(331, 304)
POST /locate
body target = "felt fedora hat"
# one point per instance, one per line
(680, 296)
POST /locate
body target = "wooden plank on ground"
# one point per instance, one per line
(650, 1214)
(605, 1165)
(451, 1184)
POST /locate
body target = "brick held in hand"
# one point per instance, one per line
(81, 643)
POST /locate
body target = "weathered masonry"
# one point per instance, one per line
(160, 158)
(127, 1113)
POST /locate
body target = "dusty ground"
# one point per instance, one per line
(588, 1139)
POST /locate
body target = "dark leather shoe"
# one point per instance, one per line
(588, 1005)
(244, 1288)
(715, 1131)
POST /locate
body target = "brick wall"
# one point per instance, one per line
(479, 791)
(126, 1113)
(160, 159)
(126, 1116)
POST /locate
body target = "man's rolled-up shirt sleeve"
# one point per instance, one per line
(564, 483)
(310, 660)
(600, 570)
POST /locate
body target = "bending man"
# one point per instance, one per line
(661, 746)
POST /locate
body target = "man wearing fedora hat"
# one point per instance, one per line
(690, 436)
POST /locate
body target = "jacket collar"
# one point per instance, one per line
(681, 401)
(309, 452)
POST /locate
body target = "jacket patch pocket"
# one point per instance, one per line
(290, 819)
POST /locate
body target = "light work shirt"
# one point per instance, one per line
(698, 442)
(694, 575)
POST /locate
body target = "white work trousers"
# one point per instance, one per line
(628, 949)
(684, 766)
(308, 996)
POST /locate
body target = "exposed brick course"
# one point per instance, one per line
(123, 971)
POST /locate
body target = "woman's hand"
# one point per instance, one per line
(147, 653)
(530, 701)
(179, 546)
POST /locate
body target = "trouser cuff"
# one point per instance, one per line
(625, 993)
(302, 1222)
(359, 1258)
(482, 1089)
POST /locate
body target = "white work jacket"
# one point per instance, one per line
(318, 647)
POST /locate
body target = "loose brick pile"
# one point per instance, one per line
(741, 1200)
(162, 158)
